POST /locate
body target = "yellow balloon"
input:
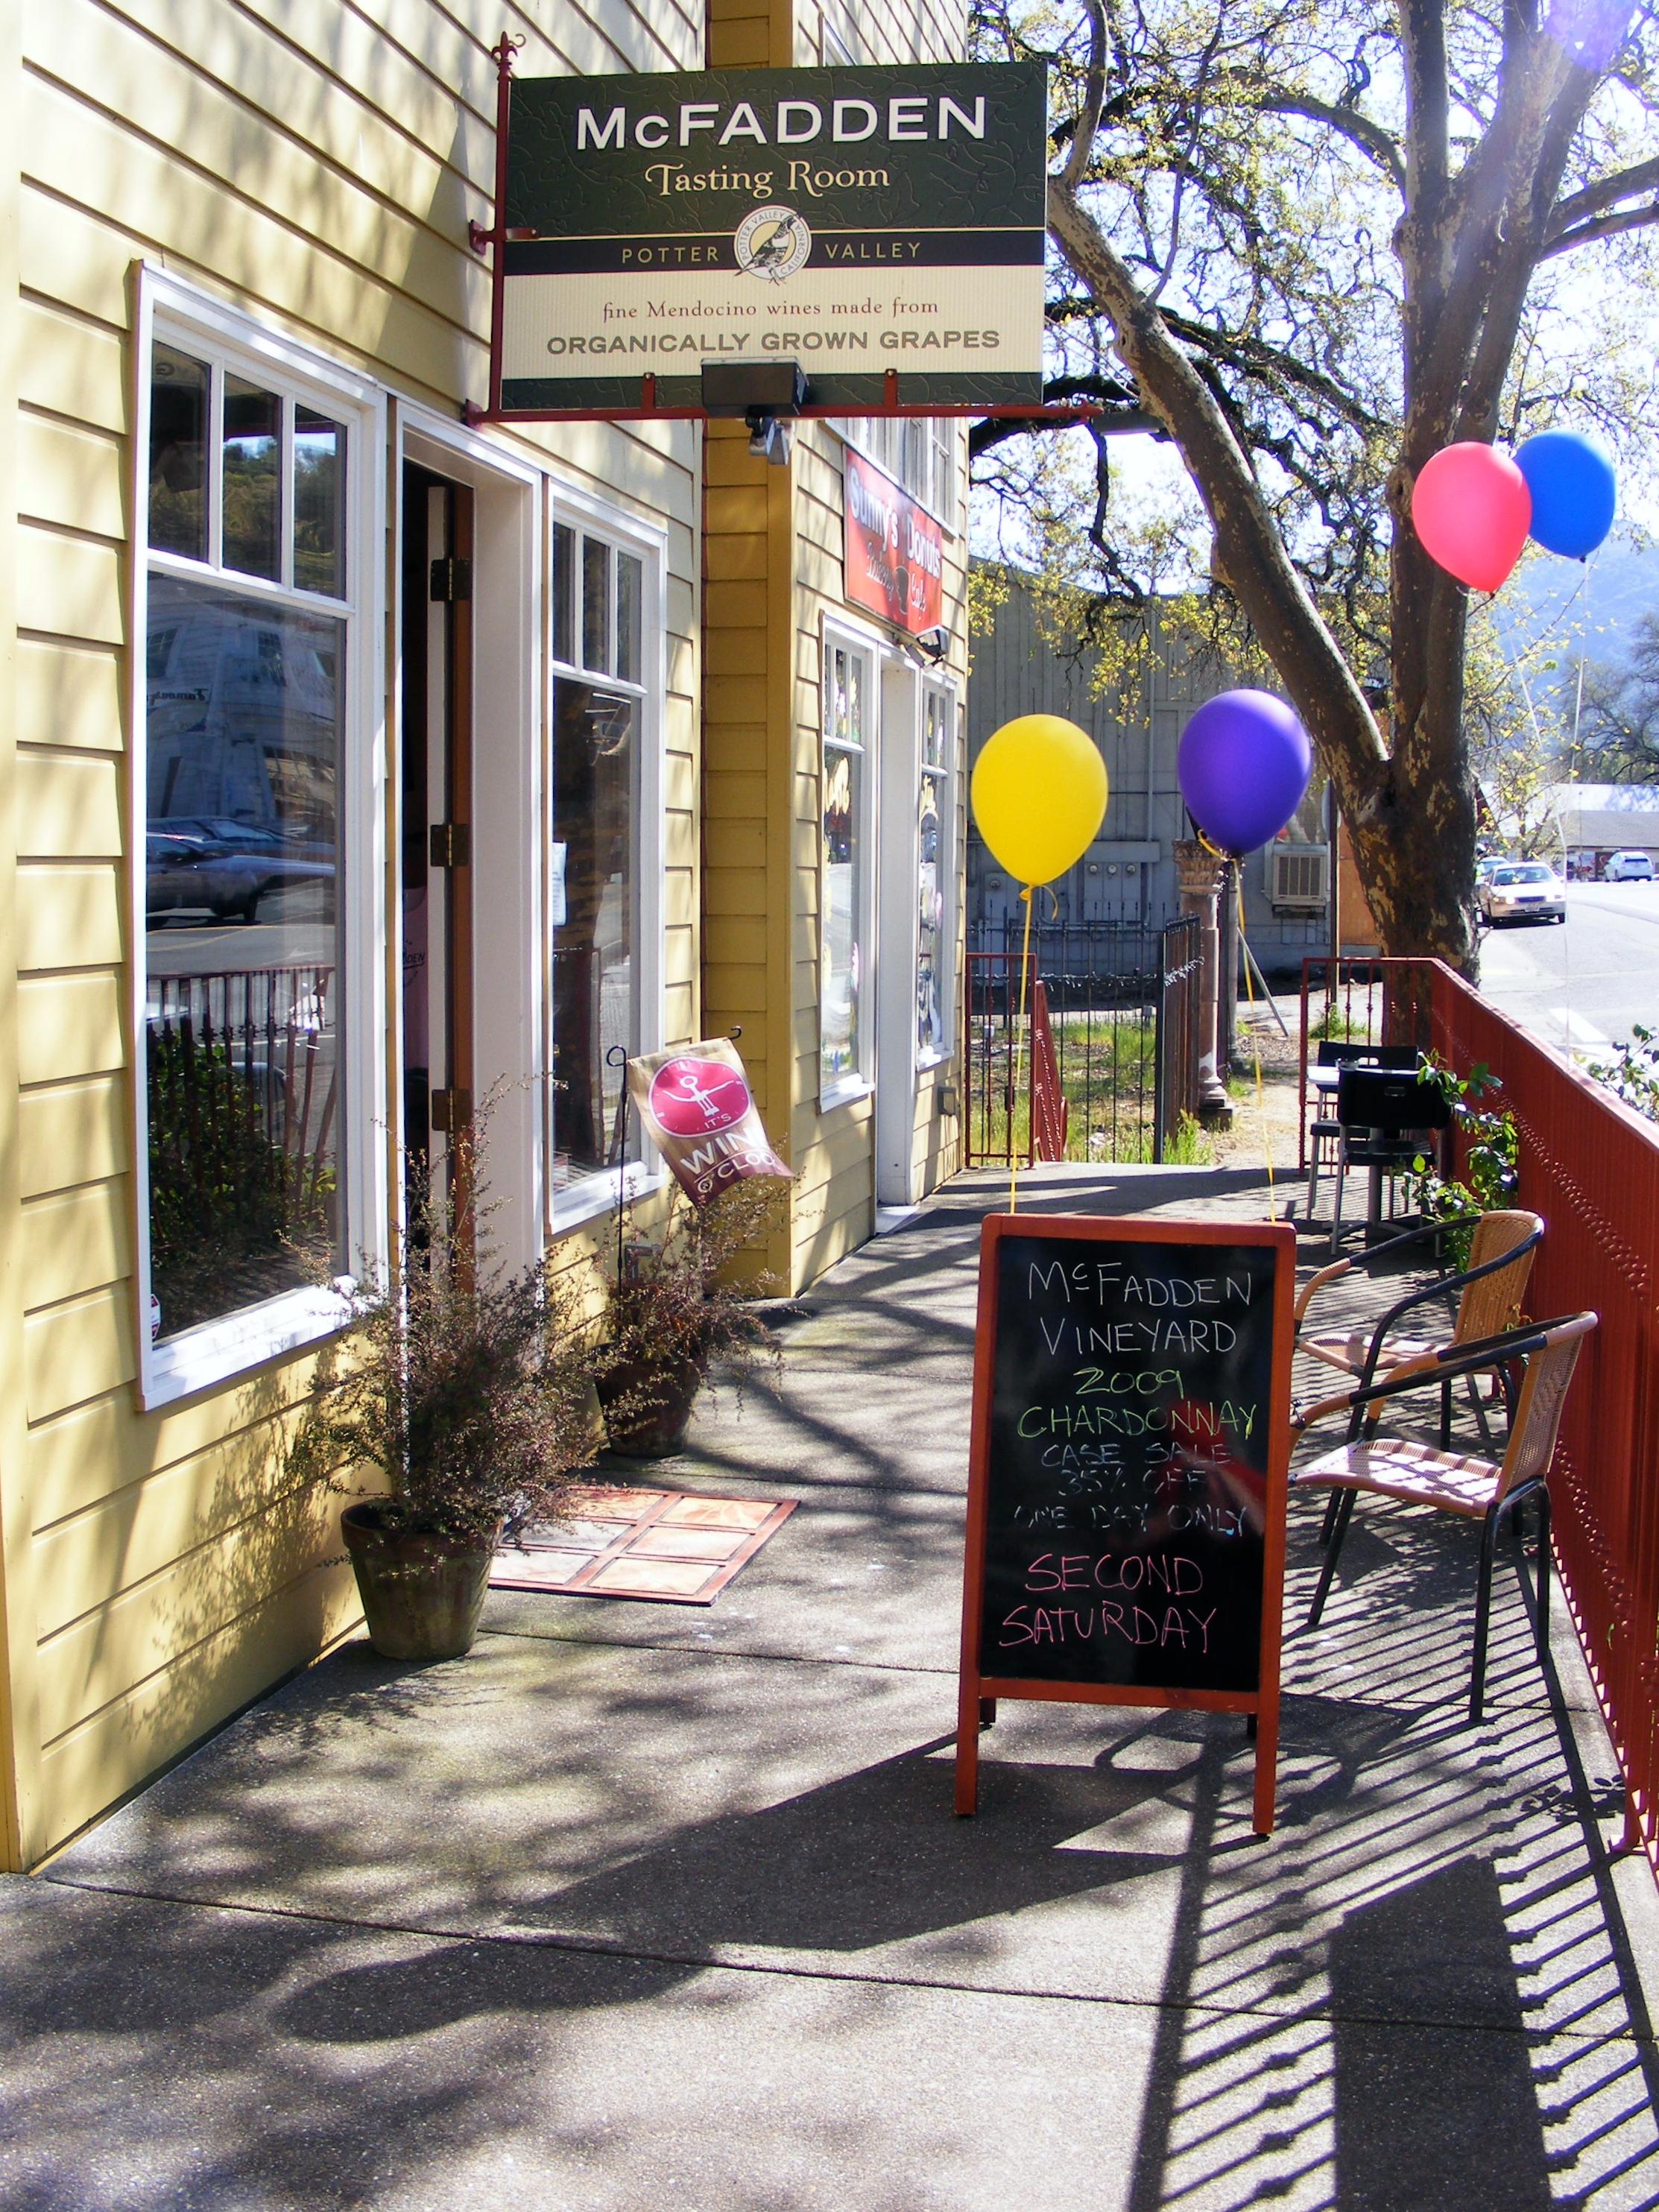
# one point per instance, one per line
(1039, 796)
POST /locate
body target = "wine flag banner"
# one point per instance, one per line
(697, 1108)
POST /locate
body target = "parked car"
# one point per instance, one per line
(191, 874)
(1628, 868)
(1523, 890)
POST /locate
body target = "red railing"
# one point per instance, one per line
(1048, 1112)
(1591, 1167)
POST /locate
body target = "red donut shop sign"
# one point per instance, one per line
(895, 550)
(702, 1116)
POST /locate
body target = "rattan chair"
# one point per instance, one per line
(1465, 1484)
(1489, 1291)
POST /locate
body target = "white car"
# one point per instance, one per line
(1523, 890)
(1628, 868)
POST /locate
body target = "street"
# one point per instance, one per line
(1581, 986)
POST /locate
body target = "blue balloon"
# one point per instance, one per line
(1243, 766)
(1574, 491)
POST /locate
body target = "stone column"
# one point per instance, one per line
(1197, 873)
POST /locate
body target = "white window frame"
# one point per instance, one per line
(885, 440)
(946, 771)
(858, 1081)
(602, 1191)
(180, 313)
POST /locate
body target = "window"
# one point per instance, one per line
(849, 689)
(600, 899)
(918, 452)
(257, 1042)
(934, 821)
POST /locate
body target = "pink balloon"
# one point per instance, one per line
(1471, 510)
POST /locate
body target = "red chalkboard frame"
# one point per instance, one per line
(978, 1692)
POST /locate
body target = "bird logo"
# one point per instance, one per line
(772, 242)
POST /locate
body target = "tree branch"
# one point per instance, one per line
(1596, 199)
(1094, 95)
(1376, 144)
(1607, 226)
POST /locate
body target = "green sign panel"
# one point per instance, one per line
(855, 220)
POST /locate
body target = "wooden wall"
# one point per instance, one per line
(315, 162)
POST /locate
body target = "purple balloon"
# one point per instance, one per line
(1243, 765)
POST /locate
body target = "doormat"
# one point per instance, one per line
(671, 1547)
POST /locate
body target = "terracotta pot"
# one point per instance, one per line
(421, 1593)
(663, 1396)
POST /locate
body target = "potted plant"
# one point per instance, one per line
(469, 1384)
(670, 1310)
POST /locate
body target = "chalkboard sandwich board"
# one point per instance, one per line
(1127, 1486)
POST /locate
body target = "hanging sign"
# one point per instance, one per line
(1130, 1461)
(895, 549)
(701, 1114)
(844, 219)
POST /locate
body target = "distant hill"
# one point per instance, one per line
(1554, 603)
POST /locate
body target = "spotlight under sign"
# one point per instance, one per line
(882, 227)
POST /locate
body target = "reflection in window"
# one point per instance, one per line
(564, 593)
(594, 918)
(596, 605)
(253, 480)
(244, 735)
(178, 453)
(319, 504)
(630, 577)
(934, 823)
(839, 922)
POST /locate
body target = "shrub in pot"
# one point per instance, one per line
(671, 1309)
(471, 1385)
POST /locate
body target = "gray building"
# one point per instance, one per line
(1127, 876)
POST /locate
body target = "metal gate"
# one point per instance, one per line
(1122, 1015)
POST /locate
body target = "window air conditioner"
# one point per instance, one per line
(1301, 876)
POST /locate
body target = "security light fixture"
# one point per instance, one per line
(743, 389)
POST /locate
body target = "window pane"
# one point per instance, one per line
(839, 922)
(253, 480)
(319, 484)
(630, 575)
(564, 593)
(595, 972)
(245, 721)
(596, 605)
(930, 942)
(935, 722)
(178, 453)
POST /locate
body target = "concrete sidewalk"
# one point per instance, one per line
(644, 1905)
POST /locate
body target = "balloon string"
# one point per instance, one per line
(1256, 1048)
(1019, 1040)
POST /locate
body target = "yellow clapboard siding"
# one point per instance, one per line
(734, 892)
(71, 368)
(72, 255)
(737, 557)
(69, 587)
(82, 1563)
(735, 984)
(738, 747)
(68, 696)
(745, 45)
(69, 806)
(69, 917)
(75, 1243)
(94, 50)
(740, 698)
(735, 653)
(353, 310)
(68, 1025)
(735, 937)
(729, 509)
(70, 476)
(78, 1350)
(71, 1133)
(81, 1457)
(739, 605)
(736, 844)
(115, 1750)
(734, 796)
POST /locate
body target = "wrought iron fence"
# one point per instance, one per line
(1121, 1014)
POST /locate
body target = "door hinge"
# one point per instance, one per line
(452, 578)
(452, 844)
(452, 1111)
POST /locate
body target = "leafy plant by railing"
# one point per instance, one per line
(1492, 1163)
(1633, 1073)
